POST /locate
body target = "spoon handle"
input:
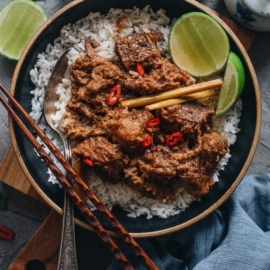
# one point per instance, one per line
(67, 254)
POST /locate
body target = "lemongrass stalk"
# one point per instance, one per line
(169, 102)
(170, 94)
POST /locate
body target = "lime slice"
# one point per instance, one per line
(234, 80)
(19, 20)
(198, 44)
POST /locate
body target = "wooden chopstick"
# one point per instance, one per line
(88, 214)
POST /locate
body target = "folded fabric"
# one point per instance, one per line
(235, 236)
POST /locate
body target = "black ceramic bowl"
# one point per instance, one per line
(242, 151)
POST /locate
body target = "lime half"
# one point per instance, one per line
(234, 80)
(198, 44)
(19, 20)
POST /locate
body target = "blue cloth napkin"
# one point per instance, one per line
(236, 236)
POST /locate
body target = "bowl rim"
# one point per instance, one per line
(209, 210)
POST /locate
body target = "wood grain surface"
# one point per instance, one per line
(44, 245)
(12, 174)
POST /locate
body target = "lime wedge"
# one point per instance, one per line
(19, 20)
(234, 80)
(198, 44)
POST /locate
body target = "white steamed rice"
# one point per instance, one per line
(102, 28)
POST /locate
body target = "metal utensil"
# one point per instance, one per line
(67, 255)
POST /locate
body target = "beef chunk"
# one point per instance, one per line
(160, 73)
(91, 72)
(77, 126)
(151, 189)
(165, 76)
(214, 147)
(140, 48)
(188, 117)
(127, 127)
(108, 159)
(83, 119)
(196, 180)
(153, 172)
(197, 177)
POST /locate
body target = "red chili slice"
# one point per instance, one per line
(174, 138)
(88, 162)
(6, 233)
(140, 68)
(114, 94)
(147, 141)
(153, 122)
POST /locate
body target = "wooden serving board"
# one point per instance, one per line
(44, 245)
(12, 174)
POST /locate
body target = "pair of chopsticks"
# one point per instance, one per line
(88, 214)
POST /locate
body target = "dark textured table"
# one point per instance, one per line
(25, 214)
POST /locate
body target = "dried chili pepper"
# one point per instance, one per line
(6, 233)
(174, 138)
(153, 122)
(147, 141)
(140, 68)
(114, 94)
(88, 162)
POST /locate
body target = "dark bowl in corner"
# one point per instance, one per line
(242, 151)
